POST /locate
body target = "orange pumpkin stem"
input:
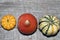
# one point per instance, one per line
(27, 22)
(7, 20)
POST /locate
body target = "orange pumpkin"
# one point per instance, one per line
(27, 24)
(8, 22)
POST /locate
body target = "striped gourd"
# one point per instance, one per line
(49, 25)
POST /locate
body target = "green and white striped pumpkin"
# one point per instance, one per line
(49, 25)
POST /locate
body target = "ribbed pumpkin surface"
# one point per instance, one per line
(49, 25)
(8, 22)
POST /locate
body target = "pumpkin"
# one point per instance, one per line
(27, 24)
(8, 22)
(49, 25)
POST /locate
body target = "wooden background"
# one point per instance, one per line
(38, 8)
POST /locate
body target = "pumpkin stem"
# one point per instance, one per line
(27, 22)
(7, 20)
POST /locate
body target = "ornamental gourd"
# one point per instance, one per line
(27, 24)
(8, 22)
(49, 25)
